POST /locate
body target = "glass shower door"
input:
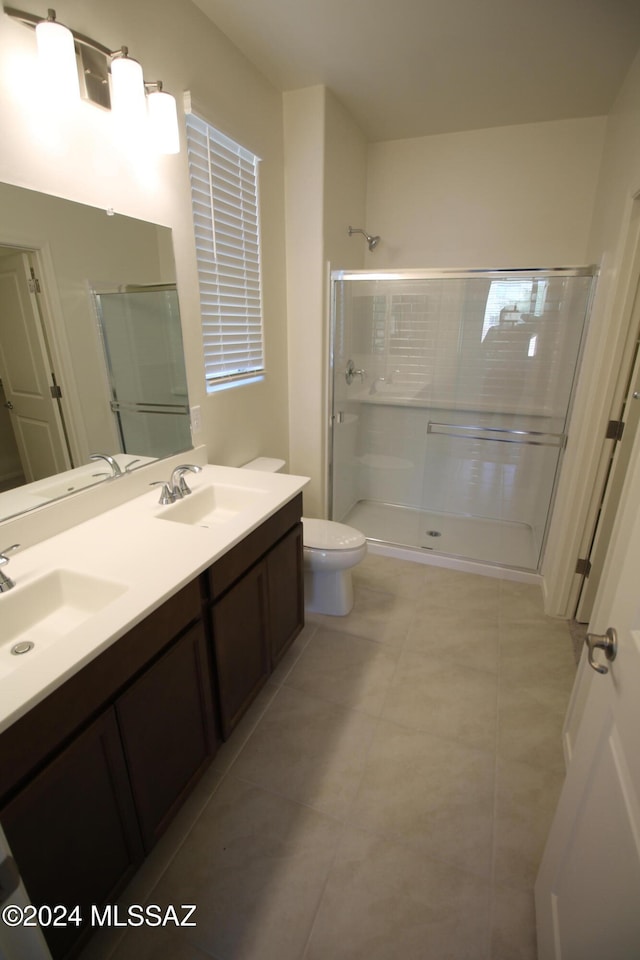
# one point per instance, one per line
(458, 406)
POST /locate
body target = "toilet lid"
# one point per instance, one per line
(329, 535)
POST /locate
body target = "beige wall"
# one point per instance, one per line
(81, 156)
(304, 189)
(325, 191)
(505, 197)
(615, 230)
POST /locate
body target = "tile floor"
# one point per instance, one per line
(389, 793)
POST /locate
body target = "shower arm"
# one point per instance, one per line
(371, 241)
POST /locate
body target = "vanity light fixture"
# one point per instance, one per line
(57, 54)
(110, 79)
(163, 118)
(127, 88)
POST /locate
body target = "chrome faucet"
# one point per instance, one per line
(115, 467)
(178, 483)
(6, 583)
(176, 488)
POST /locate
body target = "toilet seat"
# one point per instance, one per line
(330, 535)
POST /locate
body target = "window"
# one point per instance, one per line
(224, 198)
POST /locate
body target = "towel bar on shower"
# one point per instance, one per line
(472, 433)
(133, 407)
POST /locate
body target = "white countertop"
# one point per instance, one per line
(132, 547)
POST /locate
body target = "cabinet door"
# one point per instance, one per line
(240, 641)
(166, 721)
(73, 829)
(286, 592)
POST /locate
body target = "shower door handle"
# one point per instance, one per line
(607, 642)
(351, 372)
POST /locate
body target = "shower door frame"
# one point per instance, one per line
(455, 273)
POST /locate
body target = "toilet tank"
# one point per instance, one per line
(266, 464)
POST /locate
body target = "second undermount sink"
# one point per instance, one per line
(212, 505)
(69, 486)
(45, 610)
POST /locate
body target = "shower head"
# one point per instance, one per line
(372, 241)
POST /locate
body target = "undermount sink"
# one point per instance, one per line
(39, 613)
(212, 505)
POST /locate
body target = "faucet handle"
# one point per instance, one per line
(5, 559)
(166, 494)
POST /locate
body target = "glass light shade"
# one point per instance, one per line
(127, 90)
(57, 56)
(163, 122)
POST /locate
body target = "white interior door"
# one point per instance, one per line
(26, 375)
(588, 887)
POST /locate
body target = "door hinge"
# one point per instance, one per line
(56, 392)
(33, 283)
(615, 429)
(583, 567)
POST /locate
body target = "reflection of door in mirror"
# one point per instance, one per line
(11, 472)
(27, 373)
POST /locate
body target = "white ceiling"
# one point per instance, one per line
(409, 68)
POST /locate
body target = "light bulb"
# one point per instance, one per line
(57, 56)
(127, 90)
(163, 121)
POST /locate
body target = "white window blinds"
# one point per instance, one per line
(224, 197)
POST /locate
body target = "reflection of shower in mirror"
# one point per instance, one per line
(142, 342)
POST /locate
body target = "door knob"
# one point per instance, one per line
(607, 642)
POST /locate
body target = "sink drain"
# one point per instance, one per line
(23, 647)
(433, 533)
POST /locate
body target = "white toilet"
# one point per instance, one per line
(330, 551)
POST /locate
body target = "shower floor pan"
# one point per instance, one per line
(501, 542)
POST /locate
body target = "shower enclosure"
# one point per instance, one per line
(451, 392)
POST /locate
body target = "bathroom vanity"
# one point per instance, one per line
(100, 754)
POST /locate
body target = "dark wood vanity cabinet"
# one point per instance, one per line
(286, 592)
(73, 829)
(166, 722)
(91, 776)
(254, 595)
(239, 628)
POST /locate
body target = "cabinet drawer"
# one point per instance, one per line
(245, 554)
(36, 735)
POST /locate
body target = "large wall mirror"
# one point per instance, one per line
(91, 358)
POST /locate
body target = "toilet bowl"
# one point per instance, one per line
(330, 552)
